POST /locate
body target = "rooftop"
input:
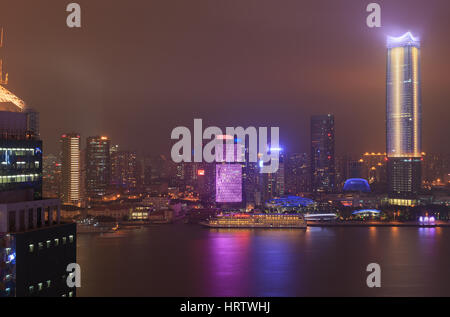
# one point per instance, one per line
(404, 40)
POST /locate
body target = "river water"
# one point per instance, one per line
(190, 260)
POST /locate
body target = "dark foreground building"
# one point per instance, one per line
(35, 247)
(40, 248)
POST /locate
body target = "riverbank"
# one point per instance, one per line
(375, 224)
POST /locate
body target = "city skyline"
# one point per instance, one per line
(280, 83)
(351, 199)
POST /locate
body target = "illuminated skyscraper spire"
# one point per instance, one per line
(3, 81)
(403, 116)
(403, 108)
(5, 94)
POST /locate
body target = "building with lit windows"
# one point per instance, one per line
(274, 184)
(297, 173)
(71, 169)
(124, 174)
(20, 159)
(228, 176)
(98, 166)
(403, 116)
(35, 247)
(51, 179)
(7, 265)
(228, 183)
(290, 204)
(374, 167)
(322, 154)
(40, 248)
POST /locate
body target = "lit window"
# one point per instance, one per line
(48, 244)
(70, 294)
(63, 295)
(41, 245)
(49, 283)
(40, 286)
(71, 238)
(31, 289)
(64, 240)
(31, 246)
(56, 242)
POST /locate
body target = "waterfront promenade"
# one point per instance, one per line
(375, 224)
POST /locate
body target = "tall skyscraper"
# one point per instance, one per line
(297, 173)
(71, 169)
(52, 179)
(124, 170)
(35, 247)
(229, 171)
(98, 166)
(403, 116)
(38, 246)
(228, 183)
(322, 153)
(273, 184)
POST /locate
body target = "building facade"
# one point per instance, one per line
(322, 154)
(403, 116)
(35, 247)
(71, 169)
(124, 173)
(98, 166)
(51, 180)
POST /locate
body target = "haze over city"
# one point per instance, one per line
(134, 75)
(115, 179)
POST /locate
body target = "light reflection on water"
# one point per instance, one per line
(186, 260)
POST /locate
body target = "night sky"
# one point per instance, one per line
(137, 69)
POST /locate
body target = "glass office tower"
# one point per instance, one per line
(403, 115)
(323, 172)
(98, 166)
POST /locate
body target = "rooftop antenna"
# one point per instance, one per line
(3, 81)
(5, 94)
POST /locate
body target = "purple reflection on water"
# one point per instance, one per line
(244, 261)
(228, 261)
(427, 232)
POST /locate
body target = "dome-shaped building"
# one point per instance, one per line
(289, 204)
(356, 185)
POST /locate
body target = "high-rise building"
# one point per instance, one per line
(374, 167)
(124, 174)
(52, 179)
(436, 168)
(32, 121)
(273, 184)
(251, 189)
(355, 168)
(21, 158)
(35, 247)
(98, 166)
(228, 183)
(403, 116)
(322, 154)
(71, 169)
(229, 171)
(297, 173)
